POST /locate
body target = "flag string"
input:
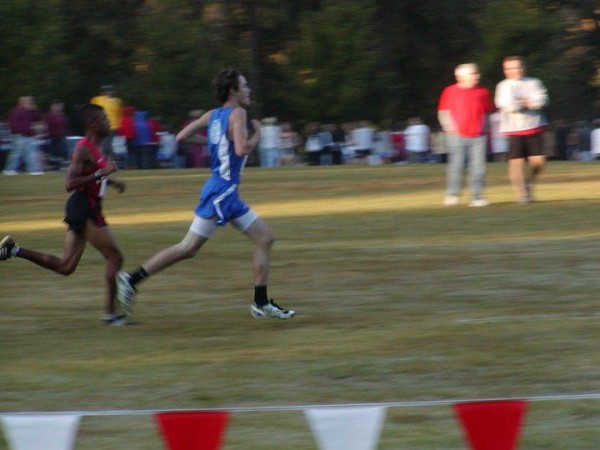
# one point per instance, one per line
(241, 409)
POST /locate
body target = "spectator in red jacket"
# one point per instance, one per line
(127, 129)
(56, 128)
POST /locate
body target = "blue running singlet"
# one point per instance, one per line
(219, 196)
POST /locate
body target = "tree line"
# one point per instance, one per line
(324, 60)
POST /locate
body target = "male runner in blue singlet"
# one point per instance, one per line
(87, 178)
(229, 147)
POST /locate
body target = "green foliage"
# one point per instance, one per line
(326, 60)
(31, 61)
(333, 62)
(421, 43)
(555, 48)
(173, 62)
(99, 37)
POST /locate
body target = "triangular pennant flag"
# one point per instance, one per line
(346, 428)
(192, 430)
(493, 425)
(35, 432)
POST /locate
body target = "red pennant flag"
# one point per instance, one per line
(193, 430)
(492, 425)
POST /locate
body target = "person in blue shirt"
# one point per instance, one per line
(229, 147)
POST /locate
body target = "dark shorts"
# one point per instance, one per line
(80, 208)
(525, 146)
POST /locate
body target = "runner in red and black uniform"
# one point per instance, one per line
(86, 201)
(87, 178)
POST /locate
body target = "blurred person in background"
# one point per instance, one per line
(520, 100)
(439, 147)
(584, 132)
(417, 140)
(326, 137)
(269, 145)
(5, 142)
(167, 151)
(56, 129)
(289, 141)
(363, 137)
(142, 143)
(194, 151)
(399, 152)
(23, 123)
(462, 111)
(113, 106)
(595, 140)
(312, 145)
(339, 140)
(498, 141)
(127, 130)
(87, 178)
(155, 128)
(572, 143)
(382, 147)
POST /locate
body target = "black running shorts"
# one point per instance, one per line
(80, 208)
(525, 146)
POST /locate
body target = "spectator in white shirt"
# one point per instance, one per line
(595, 140)
(362, 136)
(417, 140)
(269, 145)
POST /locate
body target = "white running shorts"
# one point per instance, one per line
(206, 227)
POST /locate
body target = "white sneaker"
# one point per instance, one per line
(479, 202)
(6, 246)
(125, 292)
(10, 172)
(36, 173)
(451, 200)
(270, 310)
(117, 320)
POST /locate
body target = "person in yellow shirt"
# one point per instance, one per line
(113, 106)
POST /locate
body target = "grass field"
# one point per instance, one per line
(398, 299)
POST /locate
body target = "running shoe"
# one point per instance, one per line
(479, 202)
(125, 292)
(451, 200)
(117, 320)
(6, 246)
(270, 310)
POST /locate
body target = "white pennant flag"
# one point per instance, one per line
(346, 428)
(37, 432)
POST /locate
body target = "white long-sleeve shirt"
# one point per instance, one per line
(514, 117)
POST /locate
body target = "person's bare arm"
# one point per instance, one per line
(243, 146)
(446, 121)
(189, 133)
(117, 184)
(196, 139)
(75, 177)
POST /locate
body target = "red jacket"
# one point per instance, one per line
(128, 124)
(155, 128)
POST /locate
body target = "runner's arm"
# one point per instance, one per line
(75, 177)
(118, 185)
(189, 132)
(243, 146)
